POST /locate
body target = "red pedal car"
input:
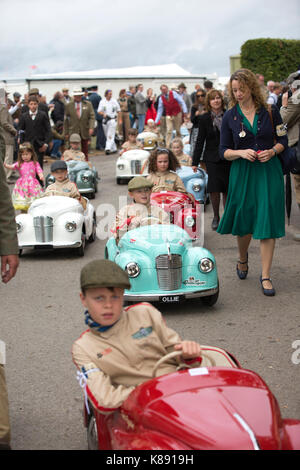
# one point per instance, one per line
(207, 408)
(184, 210)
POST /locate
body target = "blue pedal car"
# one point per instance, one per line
(164, 266)
(195, 183)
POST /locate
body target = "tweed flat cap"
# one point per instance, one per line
(139, 182)
(33, 91)
(103, 273)
(75, 138)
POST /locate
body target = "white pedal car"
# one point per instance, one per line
(132, 163)
(56, 222)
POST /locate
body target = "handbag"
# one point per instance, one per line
(288, 158)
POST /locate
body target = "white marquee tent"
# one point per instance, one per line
(114, 79)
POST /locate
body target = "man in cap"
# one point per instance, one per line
(110, 110)
(174, 106)
(74, 153)
(186, 97)
(80, 119)
(95, 99)
(290, 113)
(63, 186)
(121, 346)
(66, 96)
(16, 108)
(140, 212)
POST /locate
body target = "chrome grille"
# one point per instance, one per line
(168, 268)
(136, 167)
(43, 228)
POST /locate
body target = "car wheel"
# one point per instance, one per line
(93, 234)
(210, 300)
(92, 433)
(82, 247)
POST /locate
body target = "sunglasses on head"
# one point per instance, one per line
(161, 150)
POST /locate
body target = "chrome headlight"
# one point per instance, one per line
(86, 177)
(132, 269)
(189, 221)
(19, 227)
(50, 179)
(121, 167)
(71, 226)
(197, 187)
(206, 265)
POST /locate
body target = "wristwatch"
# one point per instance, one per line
(275, 152)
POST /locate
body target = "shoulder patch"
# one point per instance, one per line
(142, 332)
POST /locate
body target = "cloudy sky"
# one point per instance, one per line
(198, 35)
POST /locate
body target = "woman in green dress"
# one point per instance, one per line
(255, 201)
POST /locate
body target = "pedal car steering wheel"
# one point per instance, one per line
(181, 366)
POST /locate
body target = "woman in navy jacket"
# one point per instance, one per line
(255, 201)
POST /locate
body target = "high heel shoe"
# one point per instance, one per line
(268, 292)
(242, 274)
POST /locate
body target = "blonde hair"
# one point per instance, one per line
(176, 140)
(26, 146)
(247, 78)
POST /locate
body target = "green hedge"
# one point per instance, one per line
(276, 59)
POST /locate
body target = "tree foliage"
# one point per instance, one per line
(276, 59)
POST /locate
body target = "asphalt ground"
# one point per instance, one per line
(41, 316)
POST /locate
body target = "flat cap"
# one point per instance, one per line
(33, 91)
(59, 165)
(103, 273)
(75, 138)
(139, 182)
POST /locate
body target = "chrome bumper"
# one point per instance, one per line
(180, 295)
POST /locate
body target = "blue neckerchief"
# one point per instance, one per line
(94, 325)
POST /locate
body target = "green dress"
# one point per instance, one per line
(255, 201)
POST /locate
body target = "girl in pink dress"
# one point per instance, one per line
(27, 187)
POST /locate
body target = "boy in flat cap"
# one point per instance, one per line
(63, 186)
(121, 346)
(74, 153)
(140, 212)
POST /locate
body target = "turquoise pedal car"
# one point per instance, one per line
(164, 266)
